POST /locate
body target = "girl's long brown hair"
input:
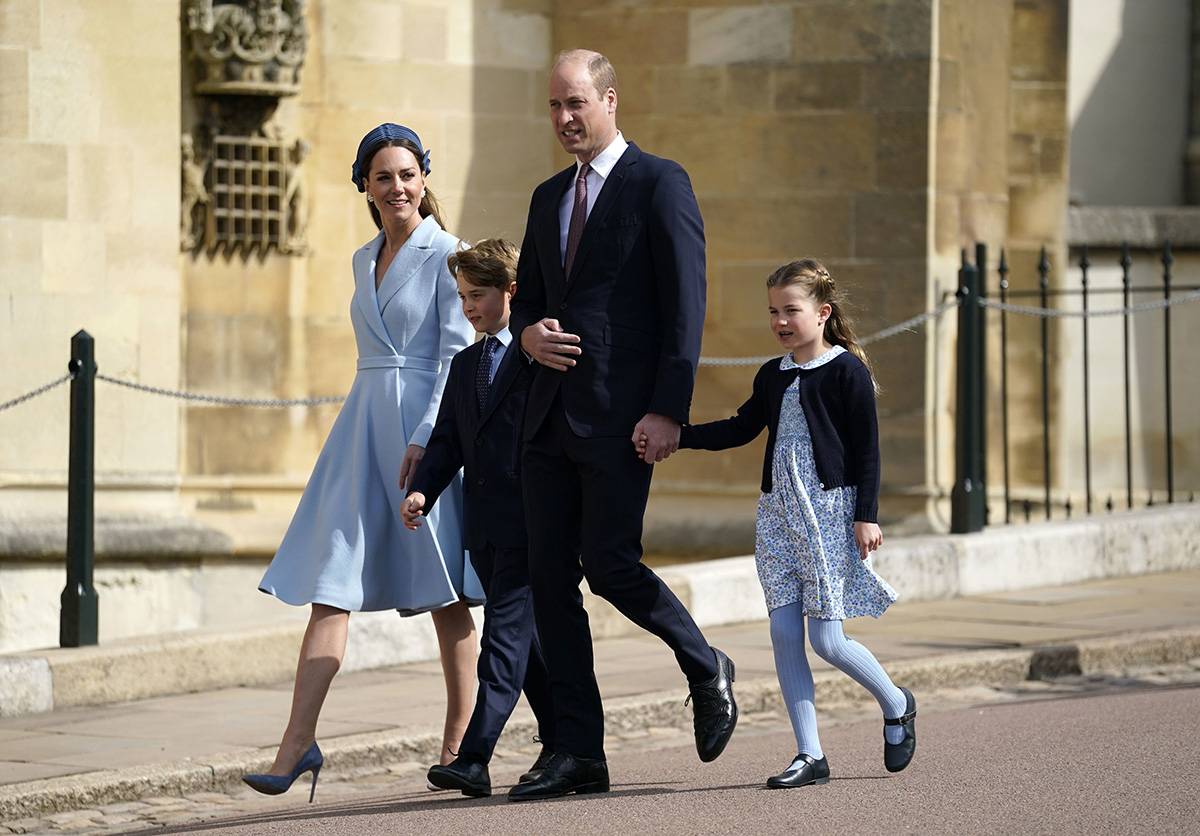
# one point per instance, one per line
(429, 205)
(811, 275)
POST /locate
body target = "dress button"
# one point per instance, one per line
(480, 481)
(822, 484)
(563, 306)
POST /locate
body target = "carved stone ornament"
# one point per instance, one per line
(248, 47)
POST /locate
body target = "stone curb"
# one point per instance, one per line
(629, 714)
(716, 592)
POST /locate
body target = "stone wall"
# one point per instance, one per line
(89, 161)
(467, 76)
(879, 135)
(1129, 102)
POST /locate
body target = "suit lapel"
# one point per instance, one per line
(364, 287)
(604, 203)
(550, 228)
(472, 353)
(412, 256)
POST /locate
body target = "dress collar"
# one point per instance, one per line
(787, 362)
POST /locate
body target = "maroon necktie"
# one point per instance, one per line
(578, 218)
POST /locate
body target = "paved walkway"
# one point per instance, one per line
(410, 698)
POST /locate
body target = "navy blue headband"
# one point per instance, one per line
(379, 136)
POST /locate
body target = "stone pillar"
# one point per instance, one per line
(1192, 174)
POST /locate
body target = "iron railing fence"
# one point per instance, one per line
(969, 505)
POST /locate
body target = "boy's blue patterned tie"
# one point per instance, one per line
(483, 373)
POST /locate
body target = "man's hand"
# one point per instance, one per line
(655, 437)
(412, 509)
(550, 345)
(868, 536)
(408, 467)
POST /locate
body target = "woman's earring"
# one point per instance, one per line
(370, 199)
(422, 194)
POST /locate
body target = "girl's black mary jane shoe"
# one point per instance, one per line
(896, 756)
(803, 771)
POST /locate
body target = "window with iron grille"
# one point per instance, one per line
(249, 187)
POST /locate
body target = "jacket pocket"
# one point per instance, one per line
(622, 221)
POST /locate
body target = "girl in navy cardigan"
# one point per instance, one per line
(817, 516)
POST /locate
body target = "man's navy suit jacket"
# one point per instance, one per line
(635, 297)
(487, 445)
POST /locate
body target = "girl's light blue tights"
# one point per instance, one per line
(847, 655)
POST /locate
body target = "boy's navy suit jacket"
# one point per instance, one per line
(487, 445)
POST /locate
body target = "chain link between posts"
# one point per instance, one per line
(906, 326)
(33, 393)
(221, 400)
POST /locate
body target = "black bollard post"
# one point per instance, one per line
(79, 617)
(967, 500)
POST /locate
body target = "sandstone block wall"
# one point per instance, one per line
(89, 162)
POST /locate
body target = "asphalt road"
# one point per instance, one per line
(1121, 760)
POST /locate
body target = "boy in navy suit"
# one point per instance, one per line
(479, 429)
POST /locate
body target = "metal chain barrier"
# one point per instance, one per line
(911, 323)
(906, 326)
(1055, 313)
(41, 390)
(891, 331)
(268, 403)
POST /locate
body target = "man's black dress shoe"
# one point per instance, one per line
(469, 777)
(715, 711)
(562, 775)
(803, 771)
(896, 756)
(538, 767)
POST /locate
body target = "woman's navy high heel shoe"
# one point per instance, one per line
(312, 762)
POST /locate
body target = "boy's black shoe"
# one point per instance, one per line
(469, 777)
(716, 711)
(802, 772)
(564, 774)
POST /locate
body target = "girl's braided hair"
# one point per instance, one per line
(813, 276)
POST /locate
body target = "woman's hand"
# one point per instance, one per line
(412, 509)
(412, 456)
(869, 537)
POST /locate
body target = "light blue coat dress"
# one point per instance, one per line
(346, 546)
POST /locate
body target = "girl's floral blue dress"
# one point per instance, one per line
(804, 535)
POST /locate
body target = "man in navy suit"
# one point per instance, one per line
(478, 429)
(610, 306)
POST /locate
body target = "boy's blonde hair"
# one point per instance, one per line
(816, 281)
(492, 262)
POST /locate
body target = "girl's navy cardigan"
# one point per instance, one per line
(838, 399)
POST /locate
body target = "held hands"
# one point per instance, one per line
(655, 438)
(408, 467)
(412, 509)
(868, 536)
(547, 343)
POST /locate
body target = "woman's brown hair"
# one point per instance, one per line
(816, 281)
(429, 205)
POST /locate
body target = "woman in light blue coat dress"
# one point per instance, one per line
(346, 549)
